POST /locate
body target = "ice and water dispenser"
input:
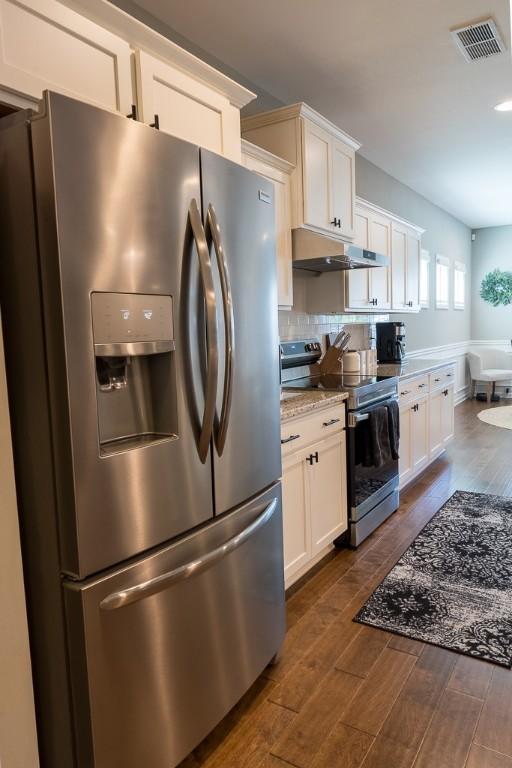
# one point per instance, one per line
(135, 370)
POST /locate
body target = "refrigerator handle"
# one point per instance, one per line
(159, 583)
(212, 375)
(212, 230)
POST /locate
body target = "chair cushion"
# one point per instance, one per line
(495, 374)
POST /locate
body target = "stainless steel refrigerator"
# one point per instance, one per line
(138, 296)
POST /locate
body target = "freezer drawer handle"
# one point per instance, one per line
(212, 230)
(212, 376)
(159, 583)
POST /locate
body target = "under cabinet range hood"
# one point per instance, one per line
(317, 253)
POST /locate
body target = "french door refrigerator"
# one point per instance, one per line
(138, 295)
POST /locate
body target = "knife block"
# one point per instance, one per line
(331, 362)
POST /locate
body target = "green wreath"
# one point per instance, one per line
(496, 288)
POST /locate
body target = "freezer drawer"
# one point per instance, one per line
(162, 649)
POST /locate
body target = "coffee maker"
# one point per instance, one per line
(390, 342)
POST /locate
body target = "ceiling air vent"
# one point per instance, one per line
(478, 41)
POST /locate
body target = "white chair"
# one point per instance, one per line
(489, 365)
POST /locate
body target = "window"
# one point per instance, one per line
(424, 279)
(459, 285)
(442, 282)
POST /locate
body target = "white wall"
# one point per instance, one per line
(18, 744)
(492, 250)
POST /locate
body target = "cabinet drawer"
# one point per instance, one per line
(442, 377)
(413, 388)
(297, 433)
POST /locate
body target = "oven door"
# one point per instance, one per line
(368, 486)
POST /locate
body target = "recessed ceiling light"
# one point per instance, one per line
(504, 106)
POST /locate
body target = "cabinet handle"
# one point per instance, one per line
(289, 439)
(313, 457)
(416, 408)
(339, 223)
(133, 113)
(420, 386)
(334, 222)
(409, 303)
(445, 393)
(436, 380)
(156, 124)
(328, 423)
(449, 375)
(405, 392)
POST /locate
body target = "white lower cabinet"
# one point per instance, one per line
(447, 415)
(405, 452)
(436, 423)
(326, 478)
(314, 489)
(297, 531)
(426, 420)
(419, 435)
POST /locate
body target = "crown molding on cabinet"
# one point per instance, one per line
(138, 35)
(258, 153)
(299, 110)
(388, 214)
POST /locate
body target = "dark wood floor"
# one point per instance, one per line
(344, 695)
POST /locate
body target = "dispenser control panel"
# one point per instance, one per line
(125, 317)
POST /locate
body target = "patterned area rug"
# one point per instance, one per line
(498, 417)
(453, 586)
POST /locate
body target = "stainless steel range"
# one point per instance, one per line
(373, 491)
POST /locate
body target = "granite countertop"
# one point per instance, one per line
(414, 367)
(299, 403)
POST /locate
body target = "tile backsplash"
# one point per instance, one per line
(299, 324)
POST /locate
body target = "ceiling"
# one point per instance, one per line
(387, 72)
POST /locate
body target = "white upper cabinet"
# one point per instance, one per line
(399, 249)
(370, 289)
(412, 270)
(405, 267)
(323, 183)
(44, 45)
(380, 277)
(342, 187)
(317, 202)
(278, 172)
(377, 289)
(185, 107)
(92, 51)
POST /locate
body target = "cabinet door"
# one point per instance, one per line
(328, 491)
(342, 186)
(186, 108)
(45, 45)
(380, 241)
(413, 271)
(398, 266)
(357, 281)
(405, 463)
(317, 178)
(435, 423)
(282, 206)
(447, 415)
(419, 435)
(296, 523)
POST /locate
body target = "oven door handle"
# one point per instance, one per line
(356, 418)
